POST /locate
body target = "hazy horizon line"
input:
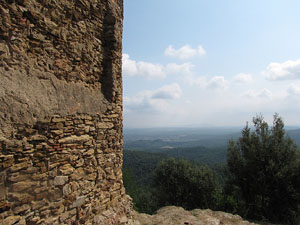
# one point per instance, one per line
(203, 127)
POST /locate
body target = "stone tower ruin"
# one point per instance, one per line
(61, 112)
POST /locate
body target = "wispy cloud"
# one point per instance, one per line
(172, 91)
(215, 83)
(265, 93)
(243, 78)
(283, 71)
(185, 52)
(153, 100)
(151, 70)
(145, 69)
(173, 68)
(294, 89)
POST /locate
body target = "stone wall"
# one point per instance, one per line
(61, 112)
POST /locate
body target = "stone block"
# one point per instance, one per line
(20, 166)
(89, 153)
(20, 198)
(67, 189)
(57, 126)
(105, 125)
(23, 185)
(78, 202)
(8, 160)
(91, 176)
(38, 204)
(37, 137)
(31, 170)
(60, 180)
(66, 169)
(11, 220)
(39, 176)
(86, 117)
(55, 194)
(17, 177)
(75, 139)
(58, 120)
(57, 132)
(69, 123)
(5, 206)
(78, 174)
(20, 209)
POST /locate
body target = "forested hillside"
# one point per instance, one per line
(256, 175)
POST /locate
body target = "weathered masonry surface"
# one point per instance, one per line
(61, 112)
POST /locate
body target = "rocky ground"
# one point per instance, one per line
(172, 215)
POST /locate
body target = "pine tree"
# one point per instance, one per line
(264, 171)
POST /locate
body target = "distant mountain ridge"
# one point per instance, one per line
(160, 138)
(147, 139)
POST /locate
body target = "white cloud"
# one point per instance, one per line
(201, 51)
(185, 52)
(216, 82)
(153, 100)
(173, 68)
(150, 70)
(145, 69)
(294, 89)
(265, 93)
(192, 80)
(283, 71)
(129, 66)
(243, 78)
(172, 91)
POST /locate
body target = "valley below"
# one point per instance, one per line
(146, 149)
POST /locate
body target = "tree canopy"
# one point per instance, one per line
(264, 172)
(180, 183)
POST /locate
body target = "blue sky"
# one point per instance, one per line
(210, 62)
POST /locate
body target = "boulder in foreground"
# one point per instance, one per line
(172, 215)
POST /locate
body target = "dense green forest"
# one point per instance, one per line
(139, 170)
(256, 175)
(141, 165)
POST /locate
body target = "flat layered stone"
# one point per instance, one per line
(75, 139)
(38, 137)
(60, 180)
(105, 125)
(17, 177)
(20, 166)
(58, 120)
(21, 209)
(23, 185)
(78, 174)
(11, 220)
(78, 202)
(66, 169)
(67, 189)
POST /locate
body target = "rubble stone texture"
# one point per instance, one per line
(61, 112)
(172, 215)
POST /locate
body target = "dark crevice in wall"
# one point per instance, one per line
(109, 46)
